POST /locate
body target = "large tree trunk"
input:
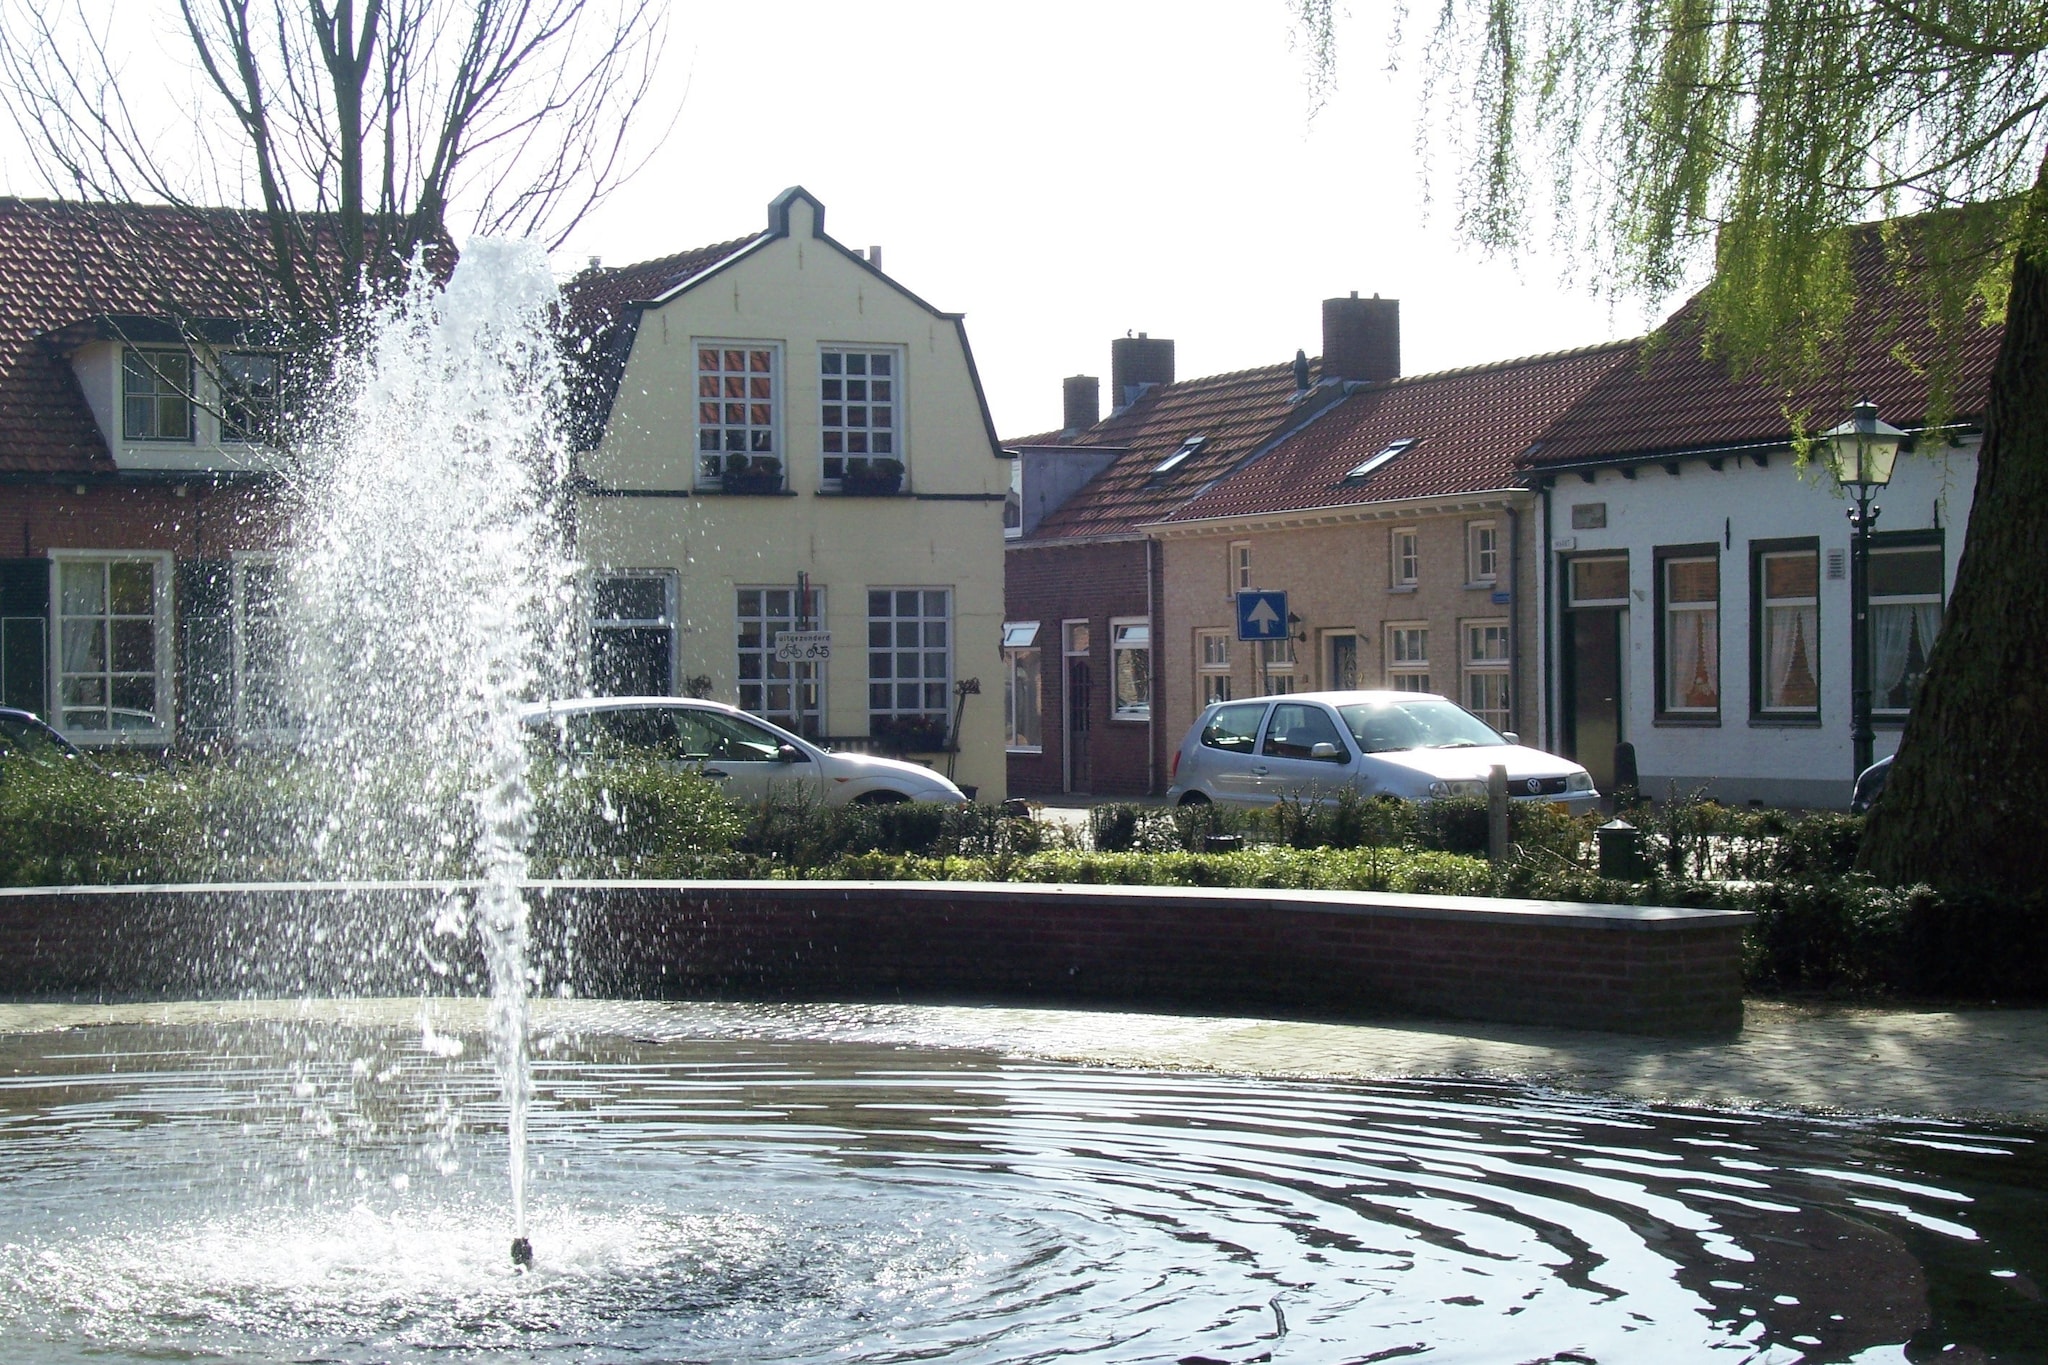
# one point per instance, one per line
(1964, 805)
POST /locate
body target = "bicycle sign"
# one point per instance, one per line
(803, 647)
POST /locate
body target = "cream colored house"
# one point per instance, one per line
(777, 439)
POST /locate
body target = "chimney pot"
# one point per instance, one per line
(875, 257)
(1362, 339)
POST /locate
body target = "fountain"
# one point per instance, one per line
(333, 1178)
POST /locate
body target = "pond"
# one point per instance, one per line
(799, 1184)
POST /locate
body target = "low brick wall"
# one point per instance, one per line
(1310, 954)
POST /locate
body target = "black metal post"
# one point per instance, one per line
(1861, 737)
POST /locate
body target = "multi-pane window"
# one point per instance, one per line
(156, 395)
(1788, 632)
(910, 651)
(1408, 658)
(1240, 567)
(789, 693)
(1276, 664)
(1486, 671)
(859, 413)
(1022, 715)
(1130, 652)
(263, 704)
(1905, 616)
(1481, 552)
(110, 674)
(1691, 647)
(633, 635)
(1406, 557)
(736, 401)
(250, 396)
(1212, 666)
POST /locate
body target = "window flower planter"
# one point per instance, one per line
(872, 478)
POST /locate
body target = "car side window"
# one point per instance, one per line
(1234, 729)
(740, 741)
(1297, 729)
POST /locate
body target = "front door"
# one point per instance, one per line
(1595, 630)
(1080, 686)
(1340, 673)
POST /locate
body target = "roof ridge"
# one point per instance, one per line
(671, 259)
(1539, 358)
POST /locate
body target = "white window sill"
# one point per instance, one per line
(1012, 750)
(1131, 715)
(1482, 585)
(1403, 587)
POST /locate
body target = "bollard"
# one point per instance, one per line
(1497, 813)
(1621, 851)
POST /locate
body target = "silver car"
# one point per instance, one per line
(750, 759)
(1311, 746)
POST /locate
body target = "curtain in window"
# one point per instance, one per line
(1693, 639)
(1901, 637)
(1789, 677)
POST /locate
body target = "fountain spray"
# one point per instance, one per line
(434, 593)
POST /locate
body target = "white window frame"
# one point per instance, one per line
(239, 565)
(267, 408)
(1482, 553)
(160, 603)
(1407, 654)
(807, 683)
(1761, 630)
(1404, 557)
(1938, 600)
(1277, 664)
(1212, 665)
(777, 386)
(1021, 647)
(928, 686)
(1487, 654)
(831, 464)
(152, 358)
(1680, 617)
(1130, 637)
(1238, 570)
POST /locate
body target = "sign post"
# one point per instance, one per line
(1262, 616)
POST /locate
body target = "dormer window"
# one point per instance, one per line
(250, 395)
(1381, 457)
(1179, 457)
(156, 395)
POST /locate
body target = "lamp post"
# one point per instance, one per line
(1860, 454)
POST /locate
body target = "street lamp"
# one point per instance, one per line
(1860, 454)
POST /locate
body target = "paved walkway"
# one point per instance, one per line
(1953, 1063)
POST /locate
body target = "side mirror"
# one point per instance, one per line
(1325, 751)
(1511, 737)
(789, 753)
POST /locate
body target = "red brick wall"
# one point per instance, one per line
(1279, 953)
(207, 523)
(1093, 582)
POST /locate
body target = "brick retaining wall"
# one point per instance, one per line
(1320, 954)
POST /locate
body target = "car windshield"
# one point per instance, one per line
(1425, 723)
(31, 741)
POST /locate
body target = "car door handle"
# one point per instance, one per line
(713, 772)
(1260, 769)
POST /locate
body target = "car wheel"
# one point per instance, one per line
(1194, 799)
(880, 799)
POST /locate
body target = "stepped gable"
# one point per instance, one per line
(601, 310)
(1467, 426)
(67, 264)
(1682, 401)
(1237, 414)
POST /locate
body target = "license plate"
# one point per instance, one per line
(1561, 807)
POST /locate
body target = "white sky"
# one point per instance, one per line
(1064, 171)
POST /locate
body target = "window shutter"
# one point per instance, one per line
(24, 634)
(206, 646)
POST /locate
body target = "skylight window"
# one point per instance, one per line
(1179, 457)
(1385, 453)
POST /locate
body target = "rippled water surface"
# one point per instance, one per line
(725, 1186)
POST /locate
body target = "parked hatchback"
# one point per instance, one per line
(749, 758)
(1312, 746)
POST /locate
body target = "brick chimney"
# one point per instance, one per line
(1137, 360)
(1362, 338)
(1083, 395)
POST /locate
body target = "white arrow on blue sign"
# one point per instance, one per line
(1261, 615)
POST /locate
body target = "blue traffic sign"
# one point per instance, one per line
(1261, 615)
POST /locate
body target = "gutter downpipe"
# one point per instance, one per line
(1514, 610)
(1152, 648)
(1545, 626)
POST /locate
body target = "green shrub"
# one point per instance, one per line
(628, 820)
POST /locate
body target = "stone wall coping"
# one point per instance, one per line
(1387, 905)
